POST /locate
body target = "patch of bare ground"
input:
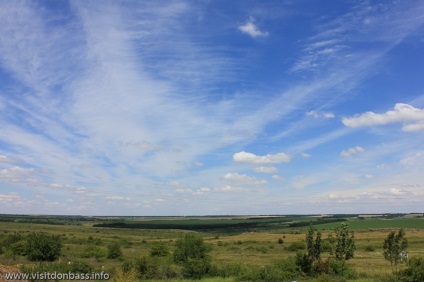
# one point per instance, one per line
(4, 270)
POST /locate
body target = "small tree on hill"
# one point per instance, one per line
(343, 244)
(393, 246)
(43, 247)
(314, 248)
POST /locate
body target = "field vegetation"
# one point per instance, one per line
(214, 249)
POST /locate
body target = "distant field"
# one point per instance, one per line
(255, 242)
(380, 223)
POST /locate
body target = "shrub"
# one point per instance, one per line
(280, 241)
(19, 248)
(414, 272)
(95, 252)
(296, 246)
(43, 247)
(191, 252)
(159, 249)
(282, 270)
(191, 246)
(370, 248)
(114, 251)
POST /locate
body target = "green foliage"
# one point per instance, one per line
(370, 248)
(313, 246)
(43, 247)
(196, 268)
(58, 267)
(114, 251)
(96, 252)
(296, 246)
(281, 270)
(343, 243)
(280, 241)
(414, 272)
(337, 267)
(393, 245)
(191, 252)
(159, 249)
(19, 248)
(191, 246)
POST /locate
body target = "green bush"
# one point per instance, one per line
(336, 267)
(191, 252)
(114, 251)
(296, 246)
(414, 272)
(191, 246)
(370, 248)
(282, 270)
(43, 247)
(196, 268)
(159, 249)
(95, 252)
(19, 248)
(58, 267)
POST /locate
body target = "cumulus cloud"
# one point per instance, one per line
(251, 29)
(245, 157)
(265, 169)
(352, 151)
(400, 113)
(243, 179)
(320, 115)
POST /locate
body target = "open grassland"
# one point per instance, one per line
(255, 248)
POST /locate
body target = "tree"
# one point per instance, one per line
(43, 247)
(393, 246)
(314, 248)
(191, 246)
(343, 244)
(191, 252)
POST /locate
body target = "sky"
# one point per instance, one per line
(211, 107)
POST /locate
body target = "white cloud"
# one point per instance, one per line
(229, 188)
(414, 127)
(5, 159)
(277, 177)
(400, 113)
(413, 159)
(352, 151)
(245, 157)
(251, 29)
(320, 115)
(305, 155)
(118, 198)
(265, 169)
(243, 179)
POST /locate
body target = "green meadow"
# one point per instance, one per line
(238, 248)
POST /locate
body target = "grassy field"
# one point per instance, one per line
(255, 248)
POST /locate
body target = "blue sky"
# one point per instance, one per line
(211, 107)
